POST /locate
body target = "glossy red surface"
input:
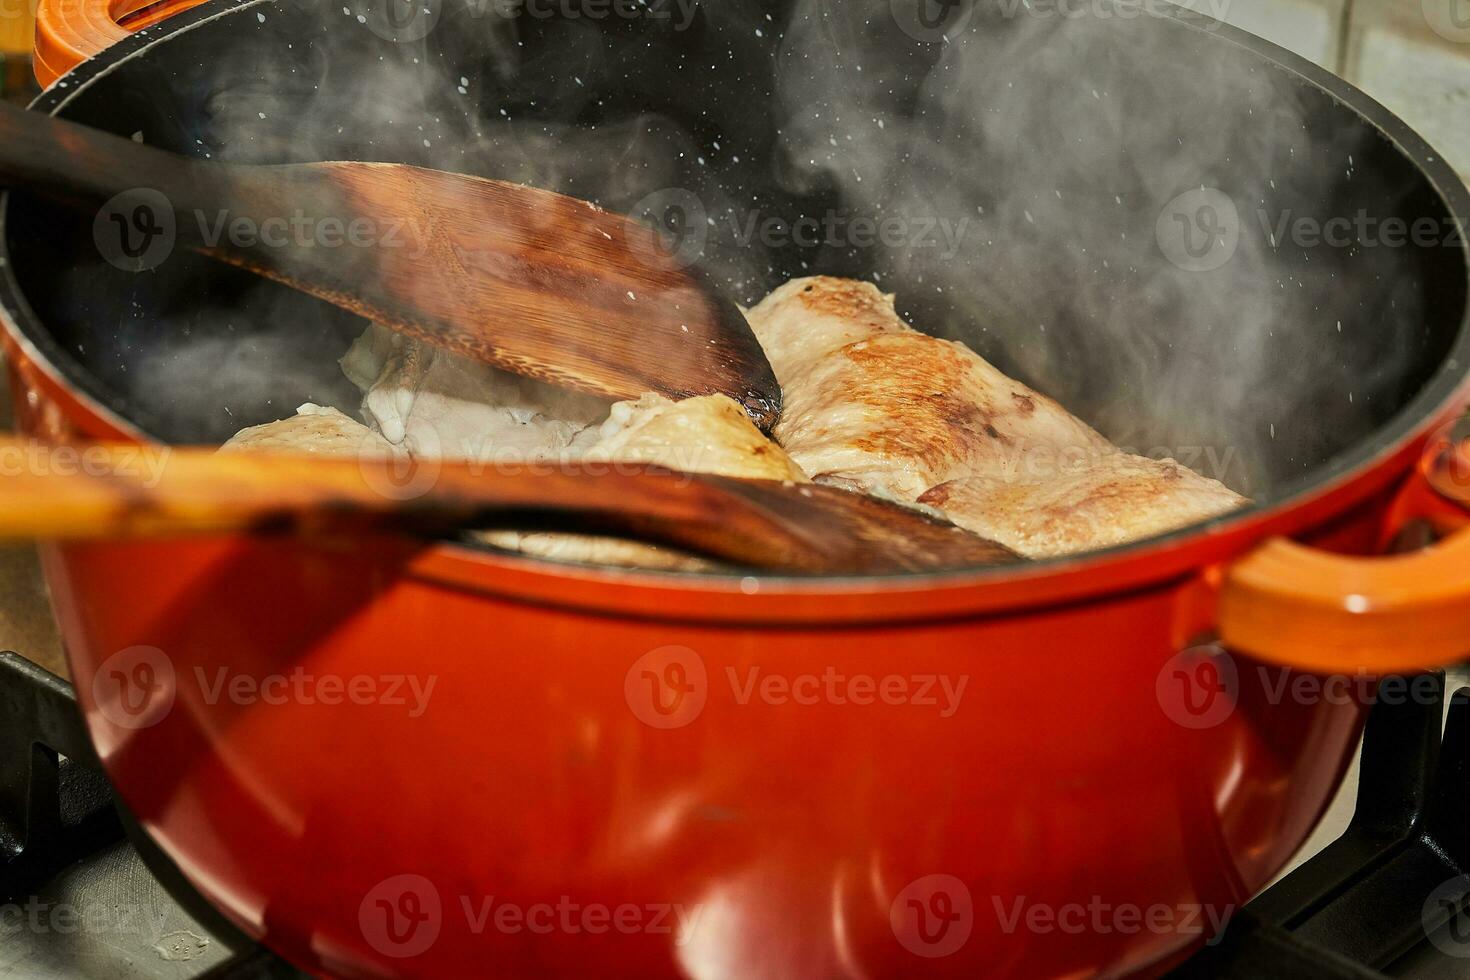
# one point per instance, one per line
(389, 760)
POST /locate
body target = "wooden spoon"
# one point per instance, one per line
(113, 491)
(533, 282)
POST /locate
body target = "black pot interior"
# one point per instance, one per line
(1027, 162)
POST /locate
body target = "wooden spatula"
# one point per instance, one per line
(534, 282)
(159, 491)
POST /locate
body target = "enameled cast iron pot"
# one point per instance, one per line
(592, 754)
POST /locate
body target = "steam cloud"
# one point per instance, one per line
(1050, 144)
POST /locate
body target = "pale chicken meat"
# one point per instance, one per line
(434, 403)
(874, 405)
(427, 399)
(313, 430)
(711, 434)
(871, 405)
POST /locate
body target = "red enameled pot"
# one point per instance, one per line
(390, 758)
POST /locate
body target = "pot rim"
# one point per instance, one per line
(1347, 479)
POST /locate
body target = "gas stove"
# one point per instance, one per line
(84, 892)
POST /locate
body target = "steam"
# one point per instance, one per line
(1067, 138)
(1028, 156)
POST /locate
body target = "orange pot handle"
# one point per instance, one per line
(1293, 605)
(69, 31)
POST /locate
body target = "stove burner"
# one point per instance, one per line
(1388, 897)
(57, 809)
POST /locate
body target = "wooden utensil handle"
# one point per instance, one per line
(129, 490)
(85, 167)
(78, 163)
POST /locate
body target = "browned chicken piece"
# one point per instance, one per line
(1106, 502)
(874, 405)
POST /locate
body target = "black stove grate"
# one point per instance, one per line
(1390, 893)
(57, 809)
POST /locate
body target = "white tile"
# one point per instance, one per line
(1307, 27)
(1425, 84)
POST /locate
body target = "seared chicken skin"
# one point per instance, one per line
(874, 405)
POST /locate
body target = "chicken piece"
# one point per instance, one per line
(1108, 501)
(312, 430)
(710, 434)
(874, 405)
(438, 404)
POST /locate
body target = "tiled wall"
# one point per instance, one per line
(1411, 55)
